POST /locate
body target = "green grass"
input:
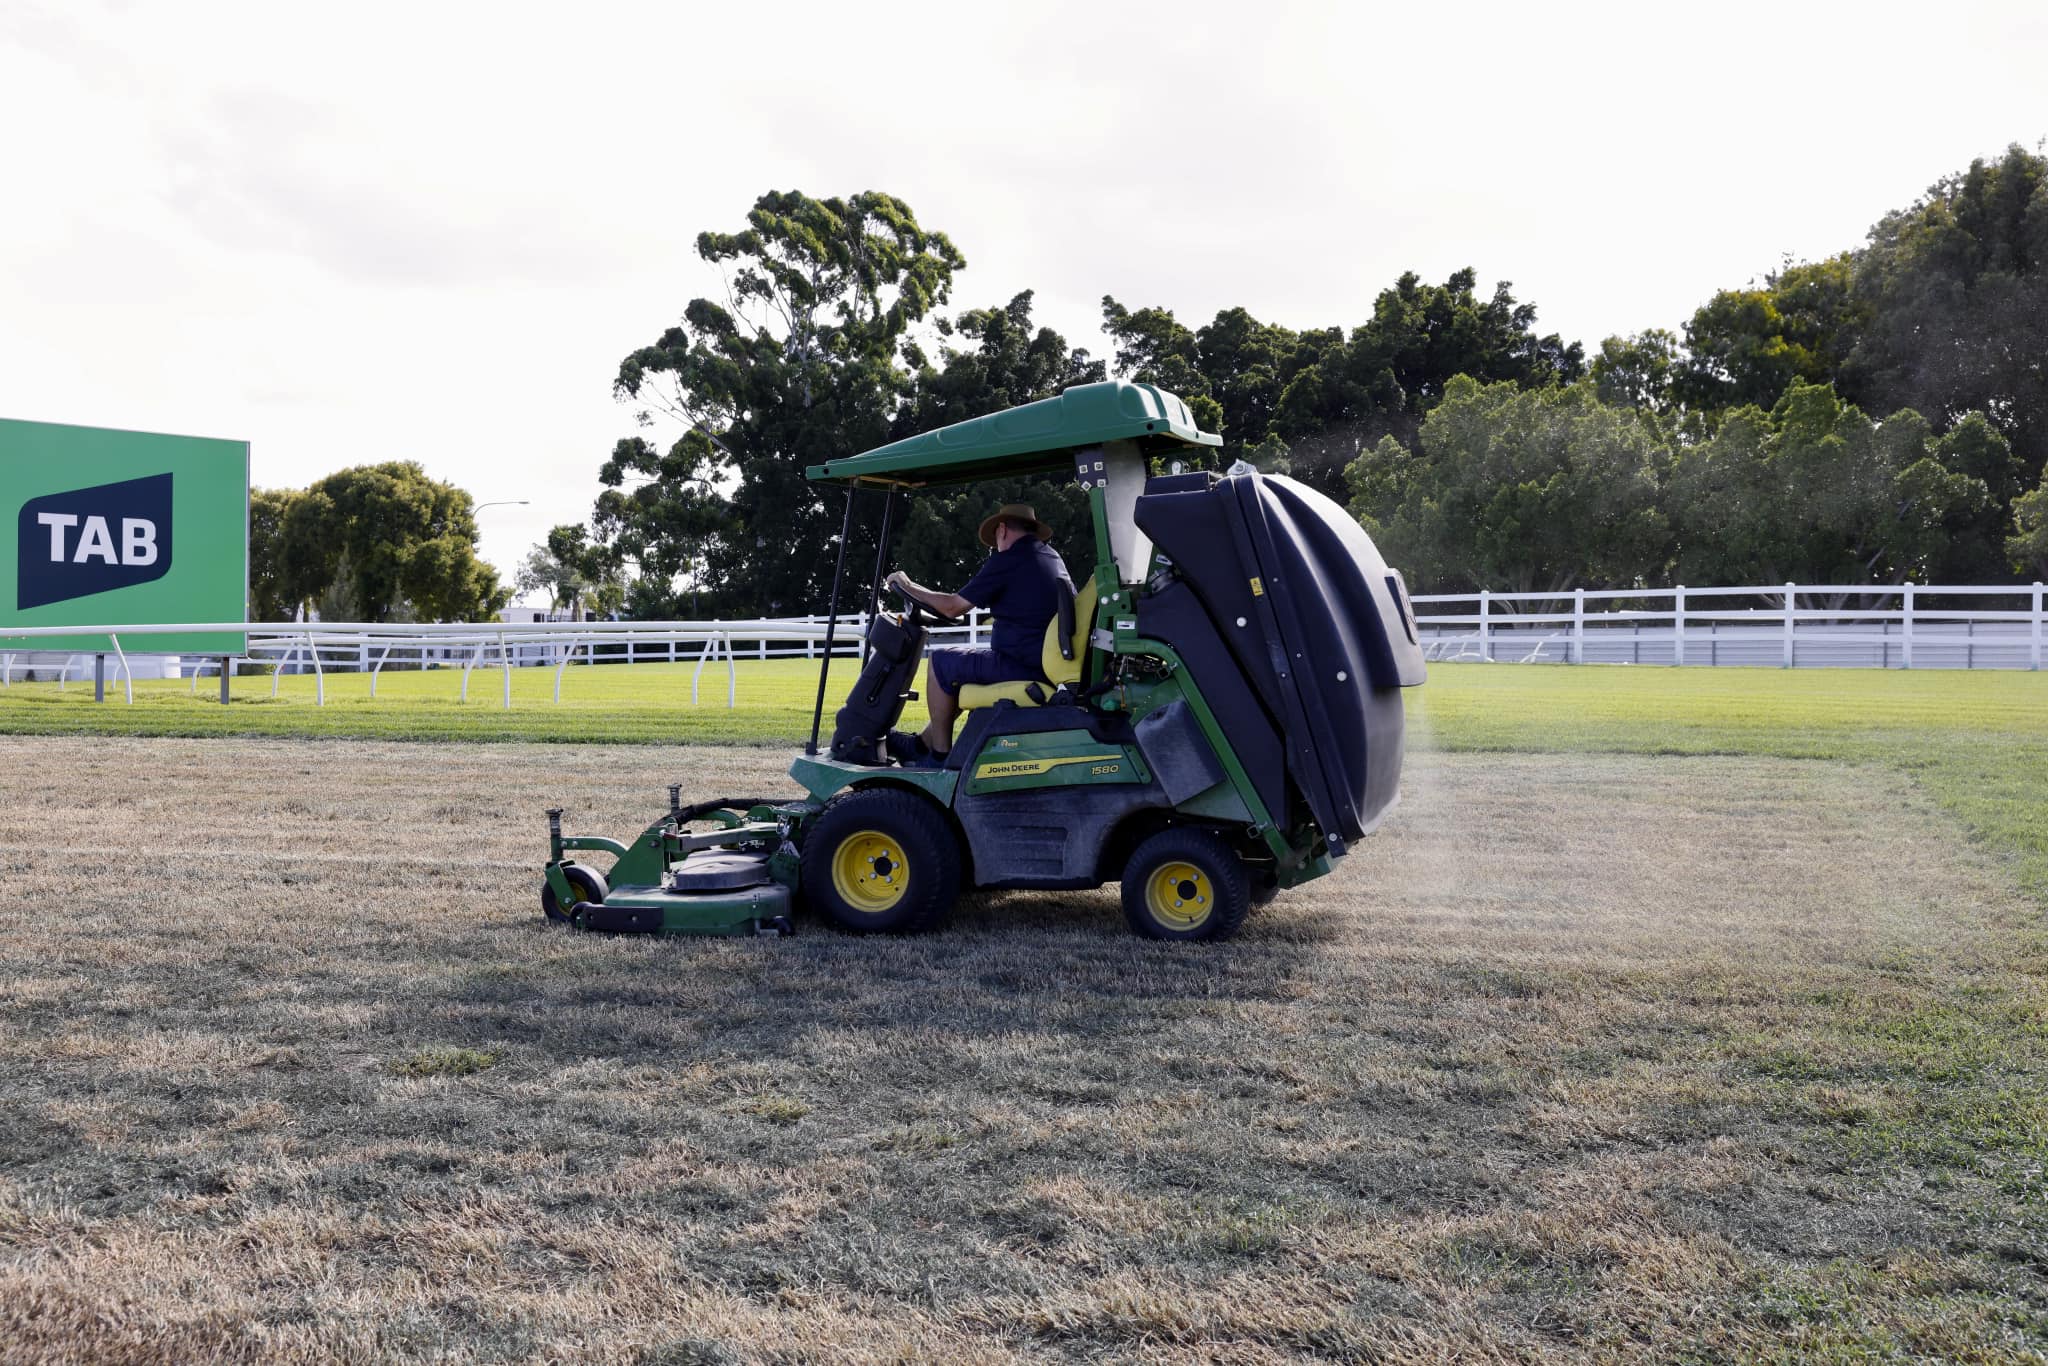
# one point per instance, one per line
(444, 1060)
(637, 704)
(1976, 741)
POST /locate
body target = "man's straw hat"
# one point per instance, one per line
(1019, 512)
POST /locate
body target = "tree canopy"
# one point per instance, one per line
(1742, 446)
(397, 540)
(798, 364)
(1309, 402)
(1521, 490)
(572, 571)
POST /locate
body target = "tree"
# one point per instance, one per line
(2028, 545)
(1528, 490)
(1395, 368)
(1637, 372)
(572, 571)
(1312, 401)
(798, 365)
(1814, 491)
(399, 540)
(1957, 291)
(664, 524)
(1749, 345)
(1247, 364)
(269, 598)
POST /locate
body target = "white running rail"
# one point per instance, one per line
(1784, 625)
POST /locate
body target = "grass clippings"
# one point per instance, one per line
(1583, 1056)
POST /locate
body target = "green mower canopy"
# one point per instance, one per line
(1031, 438)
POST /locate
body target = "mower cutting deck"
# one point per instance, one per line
(1219, 713)
(671, 881)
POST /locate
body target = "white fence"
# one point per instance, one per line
(320, 648)
(1789, 625)
(1907, 626)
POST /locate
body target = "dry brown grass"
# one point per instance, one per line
(1581, 1057)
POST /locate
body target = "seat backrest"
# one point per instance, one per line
(1052, 661)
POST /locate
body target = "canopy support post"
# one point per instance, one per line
(831, 622)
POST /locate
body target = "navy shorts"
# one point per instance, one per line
(953, 665)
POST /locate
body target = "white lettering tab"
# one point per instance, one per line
(96, 542)
(138, 541)
(56, 522)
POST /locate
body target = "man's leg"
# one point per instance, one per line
(944, 707)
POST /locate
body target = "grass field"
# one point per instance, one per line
(1700, 1015)
(1977, 741)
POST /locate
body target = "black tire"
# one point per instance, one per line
(1185, 883)
(588, 883)
(881, 860)
(1265, 885)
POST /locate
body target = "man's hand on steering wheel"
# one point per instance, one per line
(942, 606)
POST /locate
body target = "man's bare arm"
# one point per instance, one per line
(945, 604)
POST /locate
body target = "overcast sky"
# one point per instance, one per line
(429, 231)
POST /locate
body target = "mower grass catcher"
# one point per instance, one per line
(1218, 715)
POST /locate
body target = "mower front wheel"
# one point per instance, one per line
(585, 885)
(1185, 883)
(881, 860)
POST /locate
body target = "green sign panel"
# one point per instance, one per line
(102, 528)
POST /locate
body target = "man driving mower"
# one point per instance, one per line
(1022, 584)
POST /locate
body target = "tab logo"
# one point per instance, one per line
(72, 545)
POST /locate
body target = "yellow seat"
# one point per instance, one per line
(1056, 667)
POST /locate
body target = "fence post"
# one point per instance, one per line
(1578, 626)
(1791, 617)
(506, 660)
(1678, 627)
(319, 673)
(227, 666)
(127, 674)
(2034, 655)
(1906, 627)
(1485, 631)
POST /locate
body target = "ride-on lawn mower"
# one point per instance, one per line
(1220, 714)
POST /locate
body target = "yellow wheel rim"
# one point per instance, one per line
(1179, 895)
(869, 871)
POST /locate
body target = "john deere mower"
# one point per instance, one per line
(1220, 714)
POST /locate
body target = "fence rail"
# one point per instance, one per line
(320, 648)
(1787, 625)
(1942, 626)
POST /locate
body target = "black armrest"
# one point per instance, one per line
(1066, 622)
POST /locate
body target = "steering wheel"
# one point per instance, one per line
(918, 612)
(914, 612)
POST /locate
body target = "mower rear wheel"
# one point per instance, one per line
(585, 885)
(881, 860)
(1185, 883)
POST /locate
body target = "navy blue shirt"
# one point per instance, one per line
(1021, 586)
